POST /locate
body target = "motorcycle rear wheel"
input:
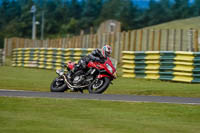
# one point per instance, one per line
(58, 86)
(100, 86)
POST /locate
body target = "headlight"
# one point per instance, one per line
(60, 72)
(109, 68)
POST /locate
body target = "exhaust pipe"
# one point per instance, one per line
(71, 86)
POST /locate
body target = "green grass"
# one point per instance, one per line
(181, 24)
(25, 78)
(42, 115)
(39, 80)
(154, 88)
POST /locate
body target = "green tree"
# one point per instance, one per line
(128, 15)
(91, 11)
(53, 17)
(111, 10)
(196, 8)
(72, 26)
(75, 9)
(70, 16)
(158, 12)
(150, 16)
(181, 9)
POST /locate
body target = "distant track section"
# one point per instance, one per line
(107, 97)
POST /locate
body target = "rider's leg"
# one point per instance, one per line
(75, 69)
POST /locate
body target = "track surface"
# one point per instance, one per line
(108, 97)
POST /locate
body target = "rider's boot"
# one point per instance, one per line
(69, 75)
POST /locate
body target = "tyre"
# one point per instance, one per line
(58, 85)
(99, 86)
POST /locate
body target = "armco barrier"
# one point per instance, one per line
(48, 58)
(1, 57)
(172, 66)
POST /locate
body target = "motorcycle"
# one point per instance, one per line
(95, 78)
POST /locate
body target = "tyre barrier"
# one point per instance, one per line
(163, 65)
(1, 57)
(47, 58)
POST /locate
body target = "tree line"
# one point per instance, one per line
(64, 17)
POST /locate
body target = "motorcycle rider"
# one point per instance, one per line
(97, 55)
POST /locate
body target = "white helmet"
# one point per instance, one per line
(106, 51)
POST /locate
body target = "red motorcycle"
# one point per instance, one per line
(95, 78)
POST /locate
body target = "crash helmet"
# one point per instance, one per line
(106, 51)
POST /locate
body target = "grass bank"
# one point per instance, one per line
(31, 115)
(39, 80)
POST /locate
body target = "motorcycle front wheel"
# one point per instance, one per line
(58, 85)
(99, 86)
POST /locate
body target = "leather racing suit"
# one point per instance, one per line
(95, 56)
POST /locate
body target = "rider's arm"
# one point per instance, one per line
(94, 56)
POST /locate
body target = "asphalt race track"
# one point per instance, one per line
(107, 97)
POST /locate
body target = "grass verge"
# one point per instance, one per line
(39, 80)
(25, 78)
(30, 115)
